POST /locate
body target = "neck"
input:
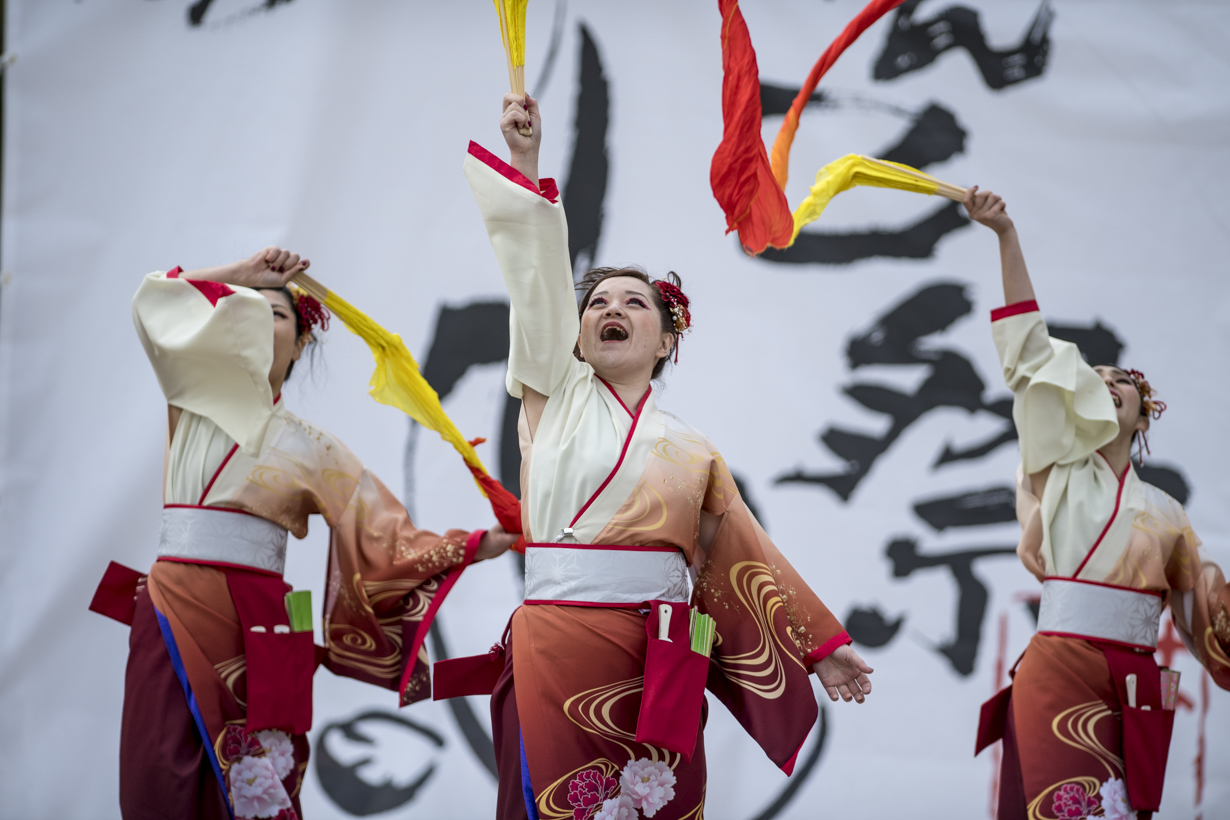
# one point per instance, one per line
(630, 391)
(1118, 453)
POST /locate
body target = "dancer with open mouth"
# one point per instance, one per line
(637, 538)
(1086, 722)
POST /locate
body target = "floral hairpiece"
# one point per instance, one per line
(311, 312)
(1149, 406)
(677, 303)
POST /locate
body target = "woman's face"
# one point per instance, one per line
(1126, 397)
(287, 343)
(621, 330)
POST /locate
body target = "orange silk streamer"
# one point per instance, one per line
(785, 135)
(750, 189)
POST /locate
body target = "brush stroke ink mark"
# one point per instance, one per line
(913, 44)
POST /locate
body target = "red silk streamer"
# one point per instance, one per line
(504, 504)
(750, 190)
(785, 136)
(740, 175)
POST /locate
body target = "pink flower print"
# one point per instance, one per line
(1115, 804)
(287, 814)
(236, 743)
(617, 808)
(279, 750)
(649, 785)
(587, 791)
(256, 789)
(1071, 803)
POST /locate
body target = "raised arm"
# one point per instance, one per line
(529, 235)
(987, 208)
(1062, 408)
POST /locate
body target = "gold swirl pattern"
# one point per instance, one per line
(1152, 521)
(354, 648)
(1213, 648)
(1080, 725)
(420, 601)
(380, 591)
(646, 503)
(276, 480)
(1089, 784)
(591, 711)
(759, 670)
(677, 454)
(229, 671)
(553, 802)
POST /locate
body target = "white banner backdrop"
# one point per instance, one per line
(850, 382)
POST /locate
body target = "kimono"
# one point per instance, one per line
(1086, 723)
(611, 502)
(217, 698)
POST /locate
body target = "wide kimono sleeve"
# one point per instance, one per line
(386, 577)
(1199, 600)
(771, 626)
(211, 346)
(1062, 409)
(529, 234)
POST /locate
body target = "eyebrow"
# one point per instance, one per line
(627, 292)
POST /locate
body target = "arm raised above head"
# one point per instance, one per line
(987, 208)
(529, 234)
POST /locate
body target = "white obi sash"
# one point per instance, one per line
(600, 575)
(223, 536)
(1082, 609)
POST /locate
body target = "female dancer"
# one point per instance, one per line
(210, 622)
(1083, 722)
(620, 500)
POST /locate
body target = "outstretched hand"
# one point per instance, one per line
(844, 673)
(519, 113)
(495, 542)
(987, 208)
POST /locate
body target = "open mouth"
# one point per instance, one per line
(613, 332)
(1115, 396)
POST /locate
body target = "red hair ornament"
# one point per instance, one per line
(1149, 407)
(676, 302)
(311, 312)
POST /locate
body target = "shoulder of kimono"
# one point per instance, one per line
(307, 437)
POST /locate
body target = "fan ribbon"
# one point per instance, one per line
(397, 382)
(751, 188)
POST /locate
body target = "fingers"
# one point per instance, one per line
(969, 198)
(832, 690)
(514, 99)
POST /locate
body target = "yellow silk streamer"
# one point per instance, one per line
(853, 170)
(512, 33)
(396, 380)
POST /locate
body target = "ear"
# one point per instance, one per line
(300, 344)
(664, 345)
(1142, 424)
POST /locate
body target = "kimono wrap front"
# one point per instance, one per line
(210, 633)
(1111, 552)
(612, 497)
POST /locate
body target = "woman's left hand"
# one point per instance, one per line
(844, 673)
(495, 542)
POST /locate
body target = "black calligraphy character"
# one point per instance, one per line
(913, 44)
